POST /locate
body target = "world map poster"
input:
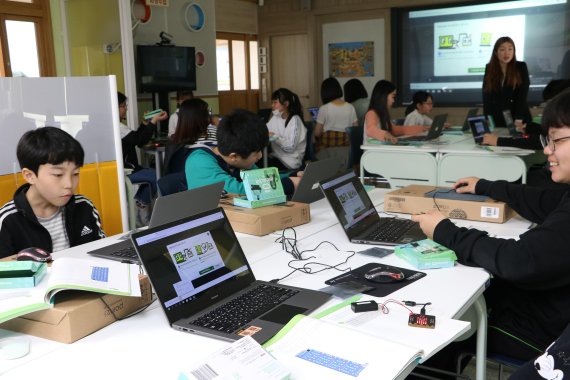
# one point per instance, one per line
(351, 59)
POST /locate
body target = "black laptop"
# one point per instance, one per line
(166, 209)
(479, 127)
(308, 190)
(359, 218)
(205, 284)
(434, 132)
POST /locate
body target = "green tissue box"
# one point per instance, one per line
(21, 274)
(426, 254)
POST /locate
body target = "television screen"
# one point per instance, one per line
(444, 50)
(165, 68)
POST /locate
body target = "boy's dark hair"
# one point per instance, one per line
(122, 98)
(330, 90)
(187, 94)
(48, 145)
(354, 90)
(242, 132)
(557, 112)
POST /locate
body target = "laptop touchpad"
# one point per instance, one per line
(283, 314)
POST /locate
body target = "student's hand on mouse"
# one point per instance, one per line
(520, 126)
(465, 185)
(429, 221)
(161, 116)
(489, 139)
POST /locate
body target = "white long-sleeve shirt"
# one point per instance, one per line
(289, 141)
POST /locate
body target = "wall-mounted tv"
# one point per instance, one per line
(443, 49)
(165, 68)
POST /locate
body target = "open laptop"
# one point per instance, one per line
(205, 284)
(510, 124)
(359, 218)
(434, 132)
(308, 190)
(479, 127)
(166, 209)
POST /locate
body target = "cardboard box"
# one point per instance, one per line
(264, 220)
(79, 314)
(412, 200)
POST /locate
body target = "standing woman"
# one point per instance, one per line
(356, 94)
(334, 116)
(377, 122)
(505, 84)
(287, 132)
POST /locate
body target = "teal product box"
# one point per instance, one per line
(426, 254)
(21, 274)
(262, 188)
(151, 114)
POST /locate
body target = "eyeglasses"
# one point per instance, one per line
(551, 143)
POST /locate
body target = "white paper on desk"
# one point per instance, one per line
(383, 359)
(394, 326)
(242, 359)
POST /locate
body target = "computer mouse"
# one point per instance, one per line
(14, 348)
(33, 254)
(384, 274)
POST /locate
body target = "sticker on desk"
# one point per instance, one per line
(100, 274)
(251, 330)
(333, 362)
(490, 212)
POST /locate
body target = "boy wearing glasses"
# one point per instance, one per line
(529, 296)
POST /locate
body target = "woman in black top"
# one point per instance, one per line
(505, 85)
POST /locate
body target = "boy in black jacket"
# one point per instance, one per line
(44, 212)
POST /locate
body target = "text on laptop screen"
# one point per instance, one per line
(189, 259)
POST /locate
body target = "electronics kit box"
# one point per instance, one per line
(412, 199)
(264, 220)
(262, 188)
(78, 314)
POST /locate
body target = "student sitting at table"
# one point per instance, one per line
(45, 213)
(287, 132)
(377, 123)
(355, 93)
(241, 139)
(417, 112)
(529, 295)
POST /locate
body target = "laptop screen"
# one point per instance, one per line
(351, 204)
(193, 263)
(479, 127)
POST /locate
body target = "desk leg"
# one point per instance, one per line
(158, 158)
(481, 351)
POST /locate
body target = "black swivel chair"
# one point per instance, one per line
(355, 136)
(310, 147)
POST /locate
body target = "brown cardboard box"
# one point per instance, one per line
(411, 200)
(79, 314)
(264, 220)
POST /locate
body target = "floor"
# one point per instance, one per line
(492, 370)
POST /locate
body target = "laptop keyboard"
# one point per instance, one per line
(245, 308)
(391, 229)
(126, 253)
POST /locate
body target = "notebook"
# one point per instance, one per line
(479, 127)
(434, 132)
(166, 209)
(202, 279)
(308, 190)
(359, 218)
(510, 124)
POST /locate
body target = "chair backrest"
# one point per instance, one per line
(264, 113)
(355, 136)
(310, 147)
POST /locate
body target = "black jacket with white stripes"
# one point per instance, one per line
(19, 227)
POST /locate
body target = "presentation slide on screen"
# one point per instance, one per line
(193, 258)
(463, 47)
(350, 201)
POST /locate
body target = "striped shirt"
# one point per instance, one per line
(56, 228)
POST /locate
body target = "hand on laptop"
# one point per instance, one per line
(429, 221)
(465, 185)
(489, 139)
(388, 137)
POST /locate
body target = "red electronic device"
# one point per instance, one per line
(422, 320)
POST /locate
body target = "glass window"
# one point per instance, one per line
(238, 65)
(223, 64)
(253, 65)
(23, 48)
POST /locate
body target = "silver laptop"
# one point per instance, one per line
(359, 218)
(205, 284)
(434, 132)
(308, 190)
(479, 127)
(166, 209)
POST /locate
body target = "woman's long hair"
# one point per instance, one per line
(494, 77)
(193, 121)
(379, 102)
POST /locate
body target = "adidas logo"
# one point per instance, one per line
(86, 231)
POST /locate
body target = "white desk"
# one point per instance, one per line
(145, 347)
(443, 161)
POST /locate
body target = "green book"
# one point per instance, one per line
(21, 274)
(426, 254)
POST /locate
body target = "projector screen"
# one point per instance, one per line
(444, 50)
